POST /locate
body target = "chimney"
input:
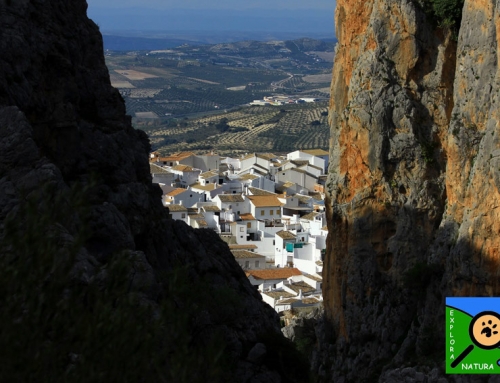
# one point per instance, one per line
(300, 293)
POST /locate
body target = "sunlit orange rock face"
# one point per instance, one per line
(413, 187)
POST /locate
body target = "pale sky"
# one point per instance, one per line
(305, 17)
(214, 4)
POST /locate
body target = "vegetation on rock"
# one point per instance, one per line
(446, 13)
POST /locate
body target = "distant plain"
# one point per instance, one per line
(179, 95)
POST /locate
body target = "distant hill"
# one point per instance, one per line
(249, 46)
(130, 43)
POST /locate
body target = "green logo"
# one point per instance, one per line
(472, 335)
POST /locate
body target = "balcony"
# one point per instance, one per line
(274, 223)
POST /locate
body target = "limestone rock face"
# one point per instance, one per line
(63, 126)
(413, 182)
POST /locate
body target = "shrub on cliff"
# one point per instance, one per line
(446, 13)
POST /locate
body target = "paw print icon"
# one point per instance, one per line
(484, 332)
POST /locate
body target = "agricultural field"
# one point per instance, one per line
(197, 97)
(278, 129)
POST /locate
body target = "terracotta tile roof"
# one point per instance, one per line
(178, 156)
(248, 156)
(155, 169)
(314, 277)
(208, 187)
(172, 158)
(202, 222)
(310, 216)
(278, 294)
(177, 208)
(325, 228)
(183, 168)
(316, 152)
(300, 162)
(239, 254)
(264, 156)
(281, 273)
(248, 177)
(209, 174)
(256, 169)
(257, 191)
(297, 286)
(247, 217)
(196, 216)
(287, 301)
(265, 200)
(175, 192)
(262, 171)
(231, 197)
(285, 234)
(319, 263)
(236, 247)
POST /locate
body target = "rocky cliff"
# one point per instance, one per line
(64, 132)
(413, 183)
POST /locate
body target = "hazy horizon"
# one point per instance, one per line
(292, 17)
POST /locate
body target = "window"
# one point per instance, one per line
(262, 212)
(278, 211)
(183, 215)
(274, 242)
(256, 264)
(242, 229)
(249, 225)
(247, 264)
(271, 212)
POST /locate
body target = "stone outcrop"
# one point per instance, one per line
(413, 184)
(63, 127)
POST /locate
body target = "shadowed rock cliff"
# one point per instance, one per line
(413, 183)
(63, 128)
